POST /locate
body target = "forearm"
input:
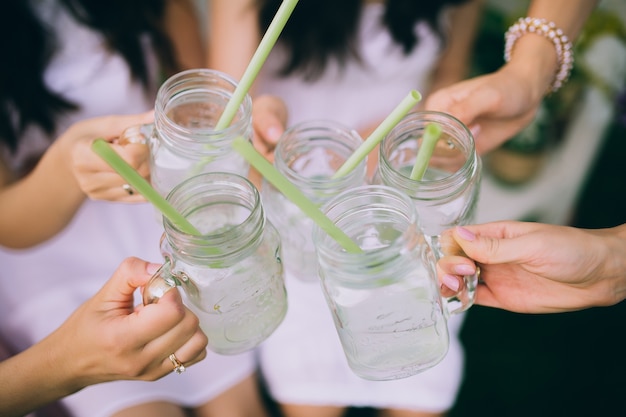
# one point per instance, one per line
(33, 379)
(183, 27)
(568, 15)
(454, 63)
(43, 203)
(233, 35)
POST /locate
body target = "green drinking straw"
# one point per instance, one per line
(290, 191)
(429, 140)
(259, 57)
(377, 135)
(104, 150)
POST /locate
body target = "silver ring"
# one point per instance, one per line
(129, 190)
(179, 368)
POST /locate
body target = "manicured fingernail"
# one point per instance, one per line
(152, 268)
(450, 281)
(465, 234)
(273, 134)
(475, 130)
(463, 269)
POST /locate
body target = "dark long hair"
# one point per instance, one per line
(27, 45)
(320, 29)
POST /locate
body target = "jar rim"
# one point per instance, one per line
(318, 133)
(213, 189)
(414, 122)
(193, 81)
(369, 199)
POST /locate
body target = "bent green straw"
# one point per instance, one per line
(259, 57)
(377, 135)
(429, 140)
(290, 191)
(132, 177)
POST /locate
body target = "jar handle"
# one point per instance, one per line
(139, 134)
(161, 282)
(465, 297)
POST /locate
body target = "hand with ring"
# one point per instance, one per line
(112, 339)
(94, 175)
(105, 339)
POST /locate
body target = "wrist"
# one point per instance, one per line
(59, 157)
(34, 378)
(63, 369)
(534, 62)
(616, 269)
(543, 44)
(609, 268)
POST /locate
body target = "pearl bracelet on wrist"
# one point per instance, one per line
(562, 45)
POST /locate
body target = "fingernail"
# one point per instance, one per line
(463, 269)
(273, 133)
(450, 281)
(151, 268)
(465, 234)
(475, 130)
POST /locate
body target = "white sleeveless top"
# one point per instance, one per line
(40, 287)
(303, 362)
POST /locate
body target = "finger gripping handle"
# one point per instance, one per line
(160, 283)
(465, 297)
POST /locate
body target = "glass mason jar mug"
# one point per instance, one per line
(231, 275)
(385, 301)
(447, 194)
(308, 154)
(183, 140)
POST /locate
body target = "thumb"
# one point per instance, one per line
(487, 249)
(131, 274)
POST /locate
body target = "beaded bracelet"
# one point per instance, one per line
(562, 45)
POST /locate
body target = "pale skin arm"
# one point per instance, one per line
(232, 39)
(454, 63)
(233, 35)
(105, 339)
(183, 27)
(538, 268)
(41, 204)
(496, 106)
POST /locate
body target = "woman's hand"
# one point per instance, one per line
(94, 175)
(537, 268)
(495, 106)
(105, 339)
(112, 339)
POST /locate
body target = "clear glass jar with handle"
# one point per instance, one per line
(308, 154)
(447, 194)
(385, 301)
(183, 140)
(231, 274)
